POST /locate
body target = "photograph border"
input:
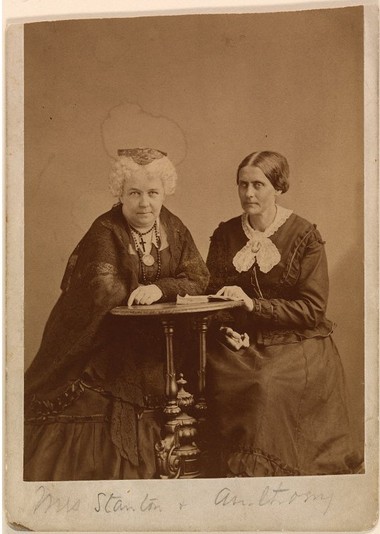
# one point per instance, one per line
(364, 487)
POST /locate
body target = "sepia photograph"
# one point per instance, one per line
(191, 272)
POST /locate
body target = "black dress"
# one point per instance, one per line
(279, 406)
(94, 392)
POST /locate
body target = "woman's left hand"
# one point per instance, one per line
(235, 340)
(236, 293)
(145, 295)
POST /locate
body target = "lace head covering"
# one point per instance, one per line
(141, 156)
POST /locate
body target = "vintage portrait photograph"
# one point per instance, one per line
(194, 348)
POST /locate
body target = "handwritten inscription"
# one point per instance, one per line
(126, 502)
(47, 502)
(112, 503)
(275, 495)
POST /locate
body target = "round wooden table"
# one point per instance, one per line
(167, 313)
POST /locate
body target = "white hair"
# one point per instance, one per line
(124, 167)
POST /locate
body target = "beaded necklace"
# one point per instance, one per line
(146, 259)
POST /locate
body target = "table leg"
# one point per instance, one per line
(201, 325)
(171, 387)
(177, 454)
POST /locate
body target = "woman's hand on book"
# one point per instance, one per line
(236, 293)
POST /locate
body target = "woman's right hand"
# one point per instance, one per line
(234, 339)
(236, 293)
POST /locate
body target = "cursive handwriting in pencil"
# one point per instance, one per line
(111, 502)
(274, 495)
(280, 495)
(48, 502)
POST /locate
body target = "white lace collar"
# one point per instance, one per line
(260, 248)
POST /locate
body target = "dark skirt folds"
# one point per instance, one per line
(77, 444)
(280, 410)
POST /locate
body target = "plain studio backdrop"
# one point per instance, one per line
(207, 89)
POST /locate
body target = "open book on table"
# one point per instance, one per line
(197, 299)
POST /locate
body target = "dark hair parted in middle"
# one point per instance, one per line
(273, 165)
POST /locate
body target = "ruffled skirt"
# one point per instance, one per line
(77, 444)
(280, 410)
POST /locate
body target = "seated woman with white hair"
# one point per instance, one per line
(94, 392)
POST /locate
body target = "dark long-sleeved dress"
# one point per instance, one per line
(95, 390)
(279, 406)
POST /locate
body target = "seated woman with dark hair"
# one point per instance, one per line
(94, 392)
(276, 390)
